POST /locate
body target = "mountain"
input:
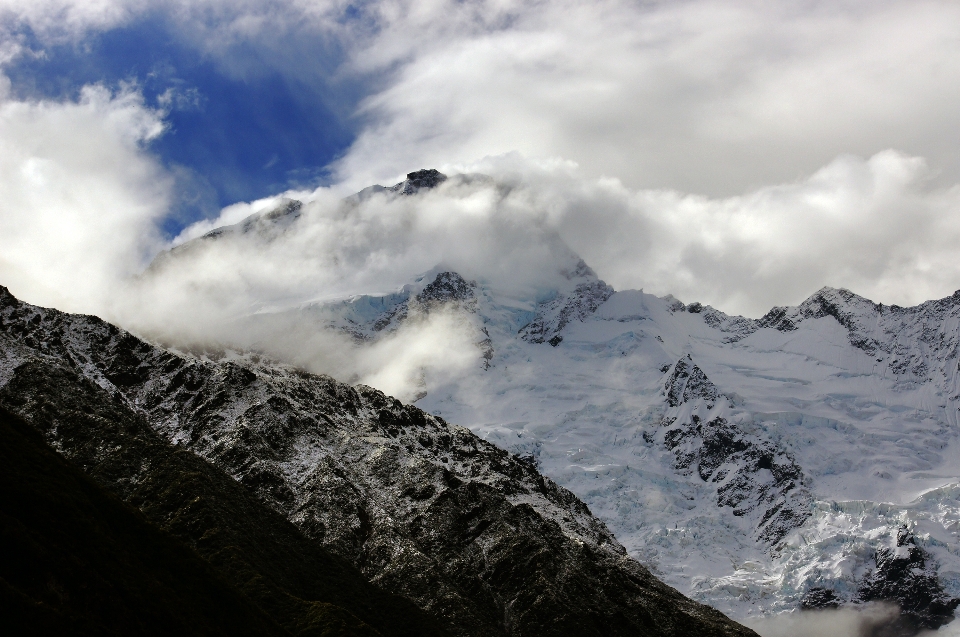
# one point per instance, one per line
(758, 465)
(804, 459)
(770, 459)
(290, 485)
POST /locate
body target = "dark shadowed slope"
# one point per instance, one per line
(472, 535)
(77, 560)
(293, 580)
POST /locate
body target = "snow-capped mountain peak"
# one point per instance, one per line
(752, 462)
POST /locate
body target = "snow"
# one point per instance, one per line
(876, 440)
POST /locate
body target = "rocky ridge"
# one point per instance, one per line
(427, 510)
(753, 476)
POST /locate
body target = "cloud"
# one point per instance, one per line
(714, 98)
(737, 154)
(702, 96)
(79, 196)
(868, 621)
(58, 20)
(875, 226)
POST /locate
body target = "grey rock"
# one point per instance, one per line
(904, 575)
(427, 510)
(753, 475)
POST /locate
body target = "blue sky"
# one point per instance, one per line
(763, 149)
(229, 137)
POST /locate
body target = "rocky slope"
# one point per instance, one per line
(294, 581)
(769, 458)
(427, 510)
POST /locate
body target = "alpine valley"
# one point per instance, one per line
(596, 445)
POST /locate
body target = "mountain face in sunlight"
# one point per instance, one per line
(752, 463)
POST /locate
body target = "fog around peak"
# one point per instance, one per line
(741, 155)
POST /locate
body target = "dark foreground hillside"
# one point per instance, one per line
(262, 470)
(278, 577)
(77, 560)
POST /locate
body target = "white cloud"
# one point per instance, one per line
(763, 111)
(79, 196)
(705, 97)
(65, 20)
(875, 226)
(866, 621)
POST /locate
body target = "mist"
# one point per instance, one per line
(869, 620)
(82, 238)
(739, 154)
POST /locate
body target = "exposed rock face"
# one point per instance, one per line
(447, 287)
(114, 573)
(553, 315)
(904, 575)
(753, 475)
(818, 598)
(420, 180)
(427, 510)
(687, 383)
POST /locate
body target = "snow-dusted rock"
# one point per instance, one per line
(426, 509)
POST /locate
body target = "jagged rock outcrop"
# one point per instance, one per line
(426, 510)
(904, 575)
(753, 476)
(294, 581)
(447, 287)
(554, 314)
(419, 180)
(687, 383)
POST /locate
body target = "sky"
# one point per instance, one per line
(737, 153)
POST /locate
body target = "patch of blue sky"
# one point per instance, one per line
(242, 125)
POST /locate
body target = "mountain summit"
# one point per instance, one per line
(754, 464)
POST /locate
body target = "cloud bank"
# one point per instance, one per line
(741, 154)
(703, 96)
(80, 198)
(714, 98)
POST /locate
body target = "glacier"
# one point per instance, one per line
(750, 463)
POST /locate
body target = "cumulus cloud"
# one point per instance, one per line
(875, 226)
(737, 154)
(484, 229)
(714, 98)
(79, 196)
(709, 97)
(66, 20)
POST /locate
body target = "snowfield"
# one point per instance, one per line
(849, 424)
(809, 458)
